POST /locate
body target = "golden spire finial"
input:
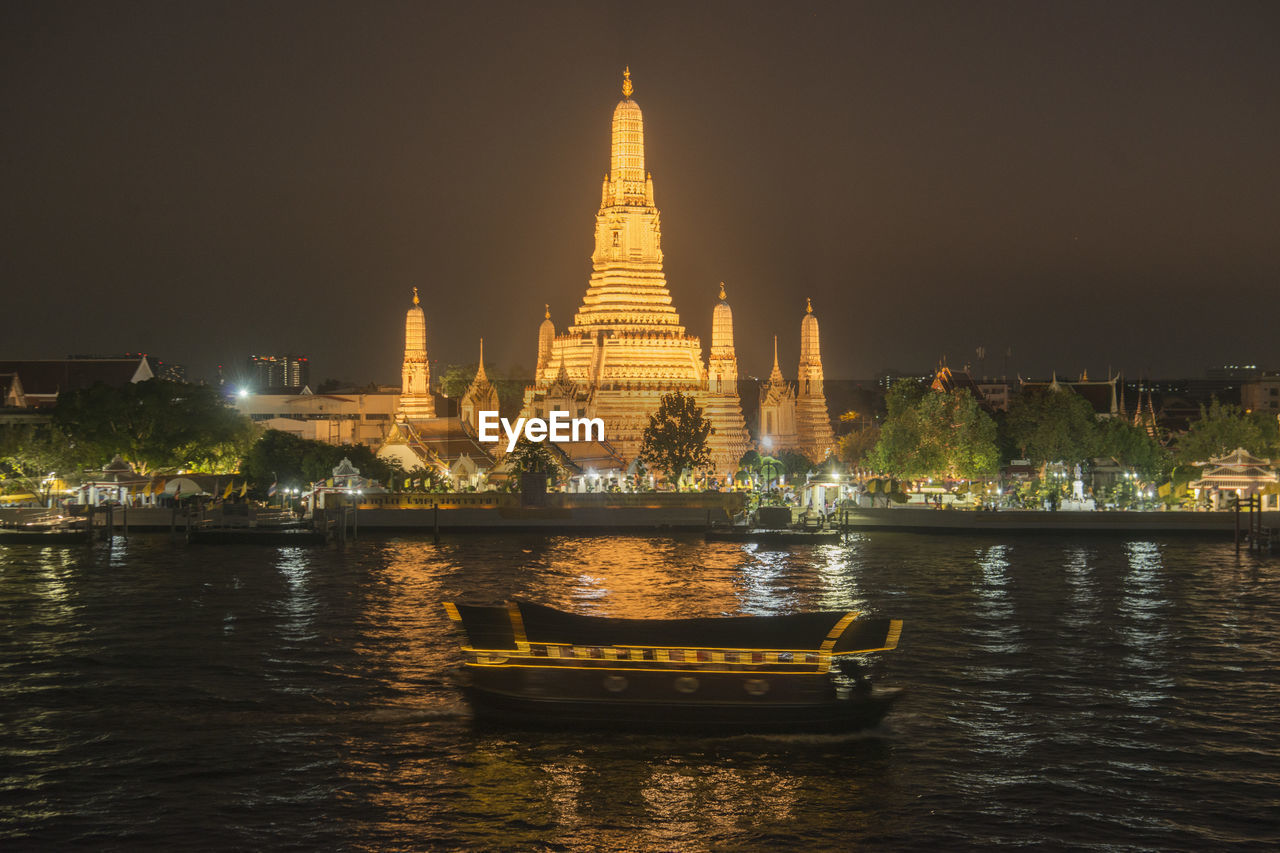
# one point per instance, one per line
(627, 88)
(808, 305)
(722, 296)
(415, 296)
(548, 306)
(775, 352)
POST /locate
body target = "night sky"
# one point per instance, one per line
(1093, 185)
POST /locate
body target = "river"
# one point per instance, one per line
(1075, 692)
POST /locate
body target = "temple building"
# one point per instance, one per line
(777, 411)
(795, 418)
(480, 396)
(416, 401)
(626, 347)
(418, 438)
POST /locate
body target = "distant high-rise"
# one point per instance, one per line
(278, 372)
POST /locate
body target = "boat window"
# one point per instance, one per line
(757, 657)
(648, 654)
(810, 658)
(785, 657)
(676, 654)
(730, 657)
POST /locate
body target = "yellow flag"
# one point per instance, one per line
(244, 487)
(146, 490)
(159, 489)
(1165, 490)
(226, 493)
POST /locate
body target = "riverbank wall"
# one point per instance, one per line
(1099, 521)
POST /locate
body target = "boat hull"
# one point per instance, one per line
(673, 700)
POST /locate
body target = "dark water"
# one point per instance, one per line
(1065, 692)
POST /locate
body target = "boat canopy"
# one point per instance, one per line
(832, 631)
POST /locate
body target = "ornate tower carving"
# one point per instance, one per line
(416, 402)
(813, 422)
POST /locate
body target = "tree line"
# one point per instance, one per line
(948, 435)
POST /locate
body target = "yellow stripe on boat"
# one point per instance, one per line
(895, 631)
(834, 634)
(517, 626)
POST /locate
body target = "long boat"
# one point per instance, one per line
(529, 664)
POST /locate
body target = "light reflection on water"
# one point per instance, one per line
(1067, 692)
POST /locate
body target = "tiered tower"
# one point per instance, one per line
(546, 336)
(626, 346)
(416, 402)
(722, 406)
(813, 423)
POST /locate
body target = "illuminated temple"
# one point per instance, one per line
(626, 346)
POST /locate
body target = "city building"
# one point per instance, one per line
(331, 418)
(275, 373)
(1261, 394)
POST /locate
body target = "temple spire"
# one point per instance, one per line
(808, 305)
(415, 296)
(776, 374)
(627, 88)
(722, 296)
(480, 377)
(547, 316)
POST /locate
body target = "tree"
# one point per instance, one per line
(29, 453)
(1223, 428)
(943, 434)
(854, 448)
(153, 424)
(795, 462)
(1052, 426)
(676, 437)
(1132, 447)
(531, 457)
(285, 458)
(771, 469)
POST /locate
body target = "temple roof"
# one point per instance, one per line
(50, 377)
